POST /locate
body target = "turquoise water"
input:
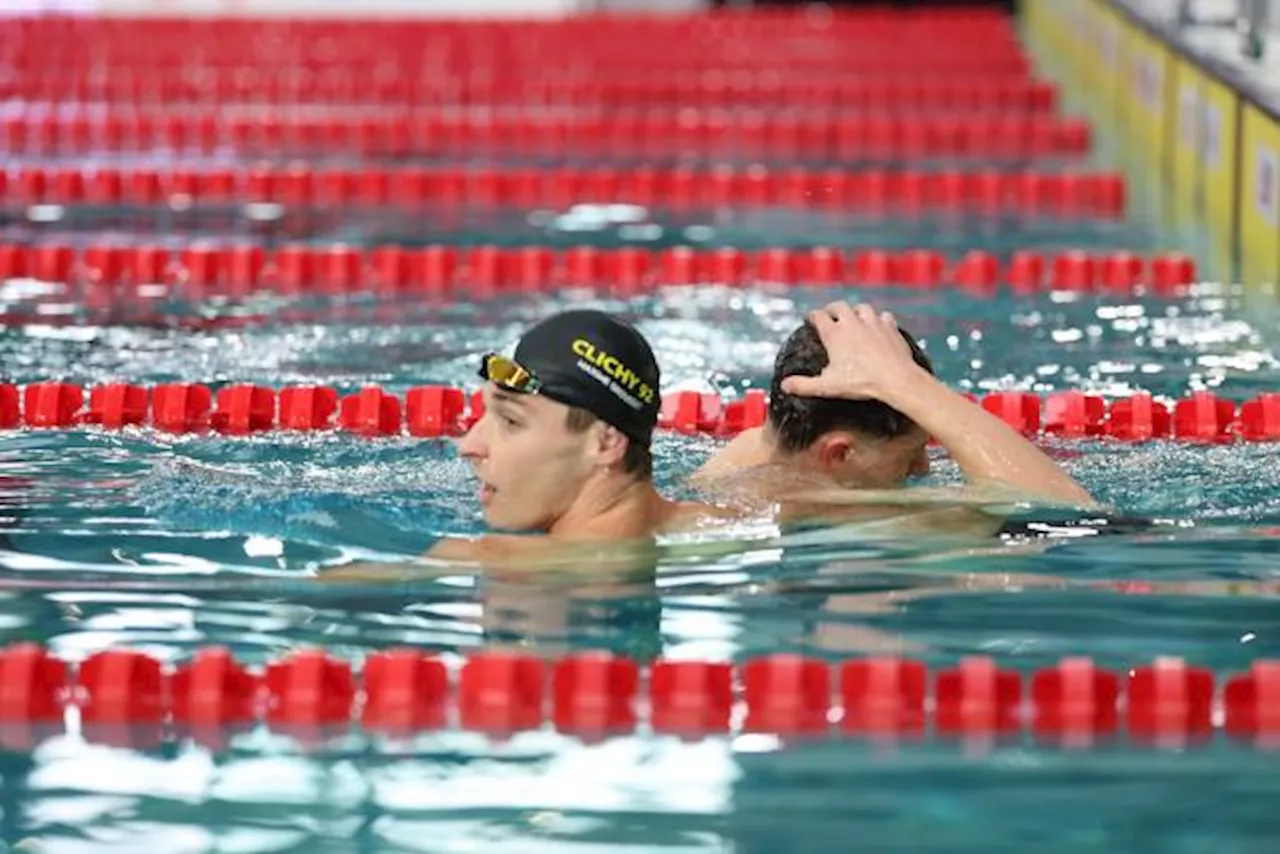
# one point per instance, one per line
(167, 544)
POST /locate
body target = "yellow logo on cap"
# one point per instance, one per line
(614, 368)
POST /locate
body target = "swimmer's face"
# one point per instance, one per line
(531, 466)
(860, 462)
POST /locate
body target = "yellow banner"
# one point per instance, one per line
(1107, 53)
(1259, 199)
(1218, 151)
(1185, 156)
(1148, 78)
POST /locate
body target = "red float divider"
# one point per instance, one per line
(435, 411)
(10, 410)
(116, 405)
(1026, 271)
(121, 687)
(884, 697)
(594, 695)
(181, 407)
(214, 690)
(1075, 702)
(438, 411)
(307, 408)
(901, 192)
(786, 693)
(52, 404)
(1259, 418)
(1170, 701)
(371, 412)
(309, 689)
(1252, 702)
(486, 271)
(621, 44)
(1137, 418)
(501, 692)
(1074, 414)
(1204, 417)
(977, 697)
(690, 698)
(750, 133)
(404, 691)
(244, 409)
(33, 684)
(874, 86)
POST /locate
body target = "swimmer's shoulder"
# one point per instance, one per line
(744, 451)
(765, 482)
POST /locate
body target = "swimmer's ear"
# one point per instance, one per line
(610, 444)
(835, 449)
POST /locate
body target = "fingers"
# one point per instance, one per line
(833, 316)
(802, 386)
(843, 312)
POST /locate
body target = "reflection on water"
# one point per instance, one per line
(167, 544)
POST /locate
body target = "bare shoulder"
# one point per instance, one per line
(762, 483)
(741, 452)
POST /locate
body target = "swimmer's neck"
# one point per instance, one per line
(754, 450)
(613, 505)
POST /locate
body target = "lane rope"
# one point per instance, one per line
(488, 271)
(596, 695)
(758, 133)
(903, 192)
(433, 411)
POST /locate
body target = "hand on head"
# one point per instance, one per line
(866, 354)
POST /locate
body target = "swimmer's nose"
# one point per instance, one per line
(471, 445)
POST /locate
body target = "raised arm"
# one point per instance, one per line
(867, 358)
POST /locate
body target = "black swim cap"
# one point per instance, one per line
(599, 363)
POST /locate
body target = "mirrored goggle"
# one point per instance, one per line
(509, 374)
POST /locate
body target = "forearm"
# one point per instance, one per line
(985, 447)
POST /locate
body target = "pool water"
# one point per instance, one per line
(169, 543)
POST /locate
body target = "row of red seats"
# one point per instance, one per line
(751, 134)
(599, 695)
(326, 88)
(434, 411)
(487, 270)
(900, 191)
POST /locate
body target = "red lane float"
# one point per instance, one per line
(1004, 58)
(434, 411)
(900, 192)
(238, 42)
(901, 47)
(754, 134)
(596, 694)
(880, 91)
(484, 271)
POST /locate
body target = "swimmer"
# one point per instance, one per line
(563, 447)
(852, 406)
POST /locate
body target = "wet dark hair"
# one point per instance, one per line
(799, 421)
(638, 458)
